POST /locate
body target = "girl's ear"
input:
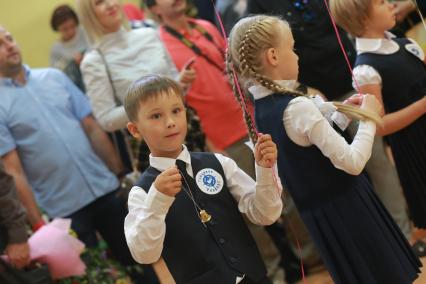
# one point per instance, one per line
(133, 129)
(271, 56)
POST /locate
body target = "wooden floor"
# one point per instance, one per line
(318, 278)
(324, 278)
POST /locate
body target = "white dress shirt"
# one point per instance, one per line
(129, 55)
(306, 125)
(366, 74)
(145, 226)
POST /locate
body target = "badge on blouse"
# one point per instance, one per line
(415, 50)
(209, 181)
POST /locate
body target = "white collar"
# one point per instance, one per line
(377, 45)
(259, 91)
(162, 163)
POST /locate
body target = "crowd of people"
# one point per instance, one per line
(249, 153)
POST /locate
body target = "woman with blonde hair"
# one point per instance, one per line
(118, 57)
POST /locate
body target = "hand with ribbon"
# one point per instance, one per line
(265, 151)
(371, 103)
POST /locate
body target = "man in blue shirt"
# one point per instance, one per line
(57, 153)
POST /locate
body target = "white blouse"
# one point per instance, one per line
(129, 55)
(366, 74)
(306, 125)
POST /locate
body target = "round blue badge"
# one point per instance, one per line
(209, 181)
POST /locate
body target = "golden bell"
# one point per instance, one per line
(204, 216)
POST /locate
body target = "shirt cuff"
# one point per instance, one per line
(158, 202)
(367, 126)
(17, 235)
(264, 176)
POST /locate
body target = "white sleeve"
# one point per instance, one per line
(261, 200)
(366, 75)
(306, 126)
(110, 116)
(144, 226)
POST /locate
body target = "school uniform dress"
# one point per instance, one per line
(356, 237)
(219, 251)
(397, 65)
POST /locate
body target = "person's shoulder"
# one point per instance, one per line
(302, 105)
(47, 72)
(208, 155)
(303, 101)
(144, 31)
(91, 57)
(48, 76)
(205, 24)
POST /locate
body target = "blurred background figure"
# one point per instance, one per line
(66, 54)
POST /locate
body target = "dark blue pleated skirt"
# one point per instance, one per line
(409, 151)
(358, 240)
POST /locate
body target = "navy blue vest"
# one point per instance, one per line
(403, 76)
(306, 173)
(213, 254)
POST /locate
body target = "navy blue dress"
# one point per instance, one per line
(404, 82)
(355, 235)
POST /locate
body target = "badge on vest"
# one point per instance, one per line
(209, 181)
(415, 49)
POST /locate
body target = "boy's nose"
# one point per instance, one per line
(170, 123)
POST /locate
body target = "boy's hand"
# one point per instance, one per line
(169, 182)
(265, 151)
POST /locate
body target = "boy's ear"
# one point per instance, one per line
(133, 129)
(271, 56)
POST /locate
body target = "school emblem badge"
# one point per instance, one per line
(414, 49)
(209, 181)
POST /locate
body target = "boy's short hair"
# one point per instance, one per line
(351, 15)
(148, 87)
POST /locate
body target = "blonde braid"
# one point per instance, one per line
(247, 117)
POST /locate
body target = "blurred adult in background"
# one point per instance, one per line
(66, 53)
(407, 16)
(119, 56)
(60, 158)
(230, 12)
(13, 234)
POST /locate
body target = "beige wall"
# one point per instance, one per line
(29, 22)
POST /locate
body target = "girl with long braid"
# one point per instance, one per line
(355, 235)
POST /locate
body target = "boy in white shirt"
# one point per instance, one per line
(187, 206)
